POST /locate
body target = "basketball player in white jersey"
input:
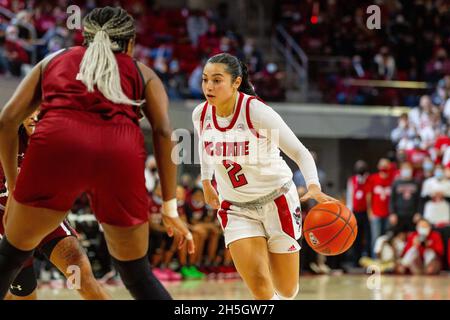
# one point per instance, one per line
(259, 208)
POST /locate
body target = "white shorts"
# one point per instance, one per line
(279, 221)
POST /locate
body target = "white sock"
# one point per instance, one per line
(280, 297)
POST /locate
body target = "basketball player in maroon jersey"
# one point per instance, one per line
(61, 246)
(88, 140)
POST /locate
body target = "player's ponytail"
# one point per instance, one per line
(236, 68)
(246, 86)
(106, 30)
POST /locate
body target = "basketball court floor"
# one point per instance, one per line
(323, 287)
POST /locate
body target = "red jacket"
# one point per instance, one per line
(433, 241)
(356, 193)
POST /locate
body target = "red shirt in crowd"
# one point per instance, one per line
(432, 241)
(356, 189)
(381, 193)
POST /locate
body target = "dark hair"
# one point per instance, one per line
(116, 22)
(236, 68)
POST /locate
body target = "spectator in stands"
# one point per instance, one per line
(268, 83)
(252, 56)
(187, 267)
(151, 173)
(442, 92)
(446, 157)
(3, 61)
(416, 156)
(195, 82)
(209, 43)
(438, 67)
(435, 195)
(442, 143)
(161, 246)
(404, 129)
(197, 25)
(356, 202)
(420, 116)
(378, 196)
(428, 168)
(16, 55)
(384, 64)
(405, 200)
(199, 217)
(423, 252)
(388, 251)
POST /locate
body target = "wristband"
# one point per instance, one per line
(169, 208)
(188, 236)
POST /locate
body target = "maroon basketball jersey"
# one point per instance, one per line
(61, 89)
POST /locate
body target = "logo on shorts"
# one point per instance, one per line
(298, 216)
(315, 242)
(292, 248)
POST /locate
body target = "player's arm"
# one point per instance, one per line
(156, 111)
(25, 100)
(206, 168)
(267, 120)
(22, 104)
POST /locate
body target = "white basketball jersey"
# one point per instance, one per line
(247, 165)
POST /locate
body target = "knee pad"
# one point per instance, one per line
(25, 282)
(11, 261)
(291, 297)
(140, 280)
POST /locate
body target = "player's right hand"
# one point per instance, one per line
(211, 196)
(175, 224)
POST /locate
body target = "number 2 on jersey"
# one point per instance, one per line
(237, 180)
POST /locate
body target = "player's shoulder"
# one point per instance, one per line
(257, 105)
(197, 112)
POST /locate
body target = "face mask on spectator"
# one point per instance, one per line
(180, 203)
(423, 231)
(402, 124)
(417, 144)
(248, 49)
(197, 204)
(406, 173)
(271, 68)
(384, 170)
(428, 166)
(439, 173)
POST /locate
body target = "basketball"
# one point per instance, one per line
(330, 228)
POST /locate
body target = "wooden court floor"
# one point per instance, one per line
(324, 287)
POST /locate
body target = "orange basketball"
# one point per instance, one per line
(330, 228)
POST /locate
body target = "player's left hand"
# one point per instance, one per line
(315, 193)
(175, 224)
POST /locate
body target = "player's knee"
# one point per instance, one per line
(261, 286)
(139, 280)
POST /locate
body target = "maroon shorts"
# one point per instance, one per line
(72, 152)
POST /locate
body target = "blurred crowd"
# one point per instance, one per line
(175, 42)
(403, 210)
(412, 44)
